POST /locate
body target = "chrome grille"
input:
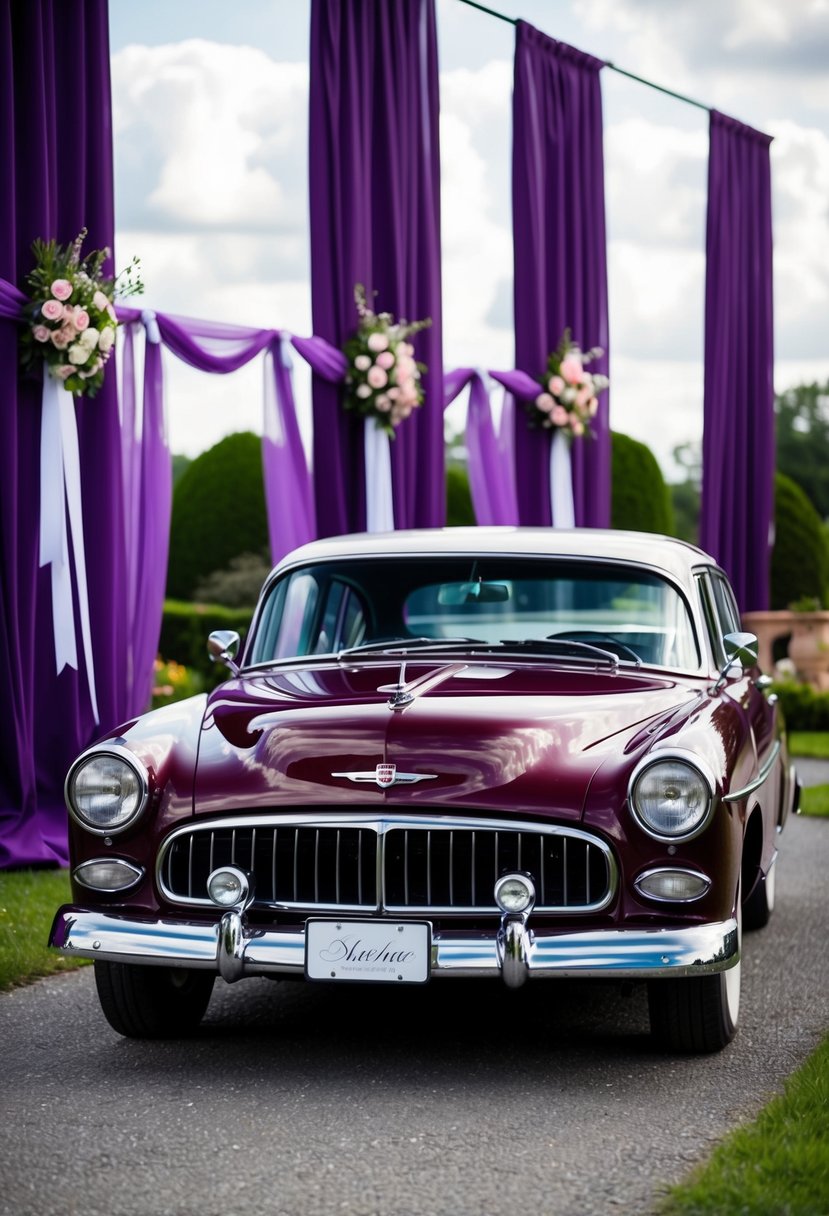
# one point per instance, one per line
(440, 865)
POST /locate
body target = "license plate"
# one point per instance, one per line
(379, 951)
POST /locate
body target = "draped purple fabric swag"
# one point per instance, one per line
(738, 433)
(57, 178)
(375, 219)
(559, 253)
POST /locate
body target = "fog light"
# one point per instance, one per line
(673, 886)
(228, 887)
(108, 874)
(515, 893)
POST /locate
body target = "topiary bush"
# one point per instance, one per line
(641, 501)
(800, 559)
(803, 707)
(459, 510)
(218, 512)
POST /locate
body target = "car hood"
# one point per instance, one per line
(522, 737)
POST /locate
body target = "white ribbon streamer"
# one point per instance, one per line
(61, 528)
(562, 507)
(379, 497)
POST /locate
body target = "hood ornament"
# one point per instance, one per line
(386, 775)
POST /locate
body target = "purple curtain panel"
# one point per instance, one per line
(560, 254)
(374, 166)
(57, 178)
(738, 432)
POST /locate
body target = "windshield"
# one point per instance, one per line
(632, 614)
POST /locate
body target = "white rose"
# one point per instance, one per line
(78, 354)
(363, 391)
(89, 338)
(106, 339)
(362, 363)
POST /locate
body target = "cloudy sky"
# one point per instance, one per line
(210, 103)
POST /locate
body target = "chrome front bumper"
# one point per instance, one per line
(236, 950)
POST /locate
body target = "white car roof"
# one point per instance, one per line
(674, 557)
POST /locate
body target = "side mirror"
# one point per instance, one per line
(741, 649)
(223, 646)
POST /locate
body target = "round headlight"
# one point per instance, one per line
(671, 799)
(105, 792)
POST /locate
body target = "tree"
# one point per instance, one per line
(802, 431)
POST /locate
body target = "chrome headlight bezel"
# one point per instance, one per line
(699, 769)
(111, 751)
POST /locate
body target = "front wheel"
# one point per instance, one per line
(695, 1015)
(152, 1002)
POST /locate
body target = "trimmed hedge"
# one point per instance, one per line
(459, 510)
(803, 708)
(641, 501)
(185, 628)
(218, 512)
(800, 559)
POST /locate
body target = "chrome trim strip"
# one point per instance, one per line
(620, 953)
(758, 780)
(381, 824)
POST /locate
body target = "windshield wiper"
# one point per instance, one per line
(397, 644)
(559, 646)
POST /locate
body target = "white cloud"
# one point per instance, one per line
(213, 125)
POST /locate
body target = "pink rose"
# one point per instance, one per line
(385, 359)
(52, 310)
(559, 416)
(383, 404)
(61, 289)
(64, 371)
(61, 339)
(377, 378)
(377, 342)
(81, 319)
(578, 427)
(544, 402)
(571, 369)
(100, 301)
(555, 385)
(41, 333)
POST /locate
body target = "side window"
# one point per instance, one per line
(709, 612)
(727, 612)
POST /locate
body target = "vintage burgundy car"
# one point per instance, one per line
(517, 753)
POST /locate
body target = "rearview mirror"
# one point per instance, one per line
(452, 594)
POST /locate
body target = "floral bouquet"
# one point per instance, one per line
(569, 397)
(383, 379)
(71, 317)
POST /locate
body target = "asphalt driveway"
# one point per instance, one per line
(446, 1101)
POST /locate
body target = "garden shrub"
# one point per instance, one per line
(803, 707)
(641, 501)
(238, 584)
(218, 512)
(800, 559)
(185, 628)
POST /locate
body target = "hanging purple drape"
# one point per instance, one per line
(211, 346)
(738, 432)
(56, 153)
(374, 164)
(560, 254)
(491, 462)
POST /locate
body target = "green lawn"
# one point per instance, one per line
(815, 801)
(28, 901)
(811, 743)
(776, 1166)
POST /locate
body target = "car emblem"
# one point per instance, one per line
(386, 775)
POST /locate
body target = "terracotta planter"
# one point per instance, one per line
(809, 647)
